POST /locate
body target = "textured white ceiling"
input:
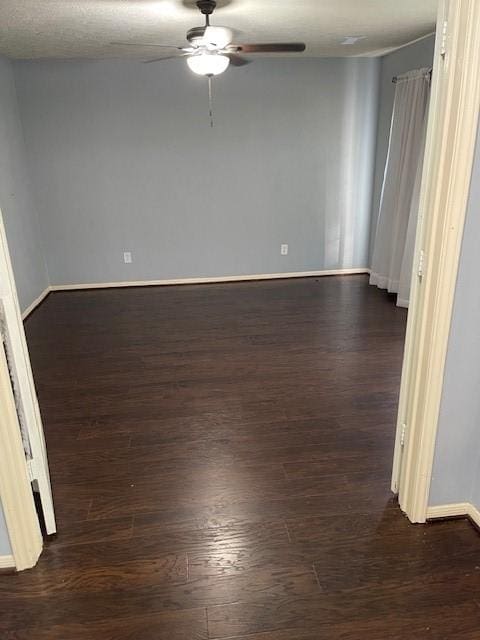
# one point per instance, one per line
(84, 28)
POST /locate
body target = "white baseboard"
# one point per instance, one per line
(454, 511)
(26, 312)
(448, 510)
(7, 562)
(209, 280)
(178, 281)
(474, 514)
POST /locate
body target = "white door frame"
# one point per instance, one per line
(449, 155)
(15, 487)
(21, 369)
(16, 473)
(15, 483)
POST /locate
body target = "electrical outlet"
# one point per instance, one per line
(284, 249)
(127, 257)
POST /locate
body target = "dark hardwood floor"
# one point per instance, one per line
(220, 458)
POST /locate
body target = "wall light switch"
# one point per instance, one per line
(127, 257)
(284, 249)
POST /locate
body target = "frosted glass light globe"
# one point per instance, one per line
(208, 64)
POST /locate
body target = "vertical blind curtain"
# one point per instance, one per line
(392, 258)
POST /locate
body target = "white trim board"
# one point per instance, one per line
(35, 303)
(15, 476)
(15, 488)
(7, 562)
(210, 280)
(455, 510)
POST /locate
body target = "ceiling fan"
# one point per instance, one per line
(211, 50)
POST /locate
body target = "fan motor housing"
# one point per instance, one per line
(207, 7)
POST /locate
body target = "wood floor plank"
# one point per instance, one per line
(263, 586)
(88, 531)
(403, 607)
(188, 624)
(453, 621)
(121, 576)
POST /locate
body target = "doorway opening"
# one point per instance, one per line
(191, 441)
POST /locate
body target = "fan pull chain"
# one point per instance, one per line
(210, 100)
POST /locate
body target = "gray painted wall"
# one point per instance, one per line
(122, 158)
(456, 470)
(5, 548)
(415, 56)
(16, 202)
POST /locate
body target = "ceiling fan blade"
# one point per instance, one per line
(273, 47)
(237, 61)
(147, 44)
(181, 55)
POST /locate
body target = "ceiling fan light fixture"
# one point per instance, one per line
(208, 64)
